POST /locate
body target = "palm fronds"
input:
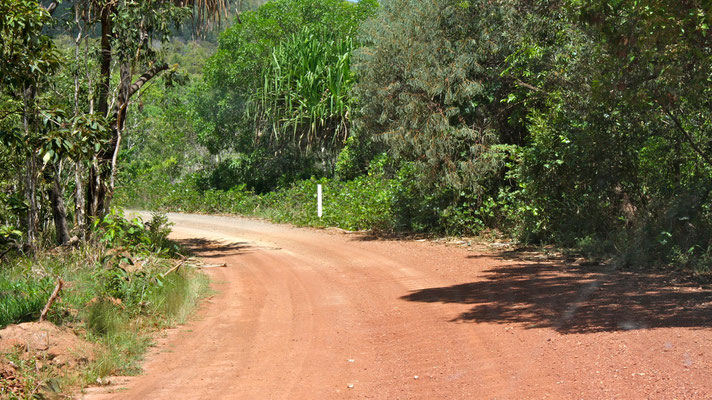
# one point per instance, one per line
(305, 98)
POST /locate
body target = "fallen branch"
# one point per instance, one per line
(198, 263)
(173, 269)
(223, 265)
(51, 300)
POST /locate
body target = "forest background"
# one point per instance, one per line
(582, 124)
(579, 123)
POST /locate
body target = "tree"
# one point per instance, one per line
(430, 86)
(277, 91)
(35, 97)
(27, 59)
(129, 30)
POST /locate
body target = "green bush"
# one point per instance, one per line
(116, 231)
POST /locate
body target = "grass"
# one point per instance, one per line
(22, 298)
(106, 301)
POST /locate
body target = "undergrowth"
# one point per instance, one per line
(117, 292)
(369, 201)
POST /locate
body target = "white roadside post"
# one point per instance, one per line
(318, 200)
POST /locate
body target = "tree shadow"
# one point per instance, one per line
(385, 236)
(577, 299)
(212, 249)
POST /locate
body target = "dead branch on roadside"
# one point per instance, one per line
(51, 300)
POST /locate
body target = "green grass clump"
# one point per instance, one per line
(22, 298)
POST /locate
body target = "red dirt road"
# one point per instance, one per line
(314, 314)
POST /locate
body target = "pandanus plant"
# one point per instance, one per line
(305, 99)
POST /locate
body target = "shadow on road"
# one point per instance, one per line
(576, 299)
(212, 249)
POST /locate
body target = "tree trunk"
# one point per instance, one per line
(59, 211)
(105, 78)
(80, 224)
(96, 188)
(122, 105)
(103, 173)
(30, 175)
(93, 186)
(31, 196)
(79, 202)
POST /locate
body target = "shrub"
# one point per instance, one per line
(115, 231)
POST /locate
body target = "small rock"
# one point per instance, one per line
(416, 377)
(351, 386)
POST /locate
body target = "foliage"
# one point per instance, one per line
(116, 297)
(358, 152)
(277, 91)
(429, 80)
(25, 53)
(574, 122)
(115, 231)
(306, 97)
(620, 145)
(8, 234)
(371, 201)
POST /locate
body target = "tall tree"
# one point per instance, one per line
(129, 32)
(27, 58)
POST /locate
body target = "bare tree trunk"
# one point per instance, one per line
(96, 193)
(31, 195)
(90, 82)
(106, 56)
(59, 211)
(80, 202)
(30, 175)
(112, 178)
(93, 185)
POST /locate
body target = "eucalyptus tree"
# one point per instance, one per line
(130, 33)
(34, 98)
(27, 59)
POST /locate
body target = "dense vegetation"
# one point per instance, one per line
(68, 73)
(580, 123)
(118, 289)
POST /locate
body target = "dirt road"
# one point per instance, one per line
(315, 314)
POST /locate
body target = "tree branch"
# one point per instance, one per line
(51, 300)
(9, 113)
(689, 137)
(530, 87)
(147, 76)
(52, 7)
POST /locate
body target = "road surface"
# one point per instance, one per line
(321, 314)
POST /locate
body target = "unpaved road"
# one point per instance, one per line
(314, 314)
